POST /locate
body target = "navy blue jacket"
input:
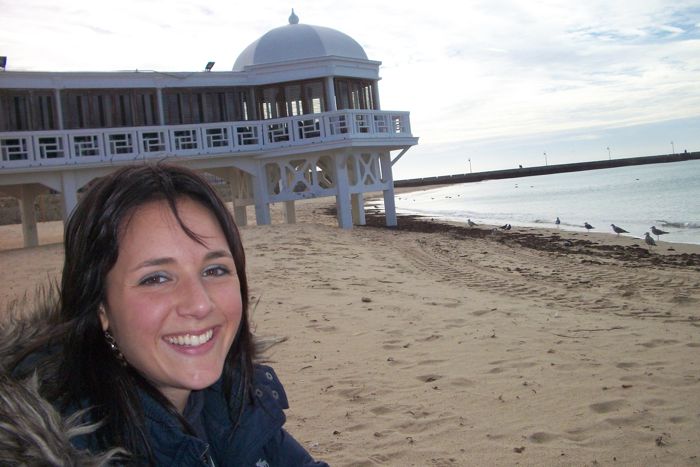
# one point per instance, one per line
(259, 440)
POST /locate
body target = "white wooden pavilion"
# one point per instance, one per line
(297, 117)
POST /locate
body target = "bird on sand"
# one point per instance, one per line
(557, 222)
(588, 226)
(618, 230)
(505, 227)
(657, 232)
(470, 223)
(648, 240)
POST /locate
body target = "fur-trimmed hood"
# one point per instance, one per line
(32, 431)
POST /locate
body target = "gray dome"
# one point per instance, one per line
(298, 41)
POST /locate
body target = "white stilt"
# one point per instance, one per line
(240, 215)
(389, 203)
(358, 209)
(69, 190)
(26, 202)
(289, 212)
(262, 200)
(342, 198)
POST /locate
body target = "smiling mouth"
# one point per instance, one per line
(189, 340)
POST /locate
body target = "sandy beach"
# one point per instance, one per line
(438, 345)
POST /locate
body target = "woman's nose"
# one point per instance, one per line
(194, 298)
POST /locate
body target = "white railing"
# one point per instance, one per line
(68, 147)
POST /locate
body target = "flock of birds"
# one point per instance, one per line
(618, 230)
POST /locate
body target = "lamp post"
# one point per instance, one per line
(609, 158)
(673, 148)
(470, 164)
(545, 158)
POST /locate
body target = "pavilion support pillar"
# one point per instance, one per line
(358, 209)
(342, 197)
(240, 215)
(26, 203)
(289, 212)
(69, 190)
(388, 179)
(262, 200)
(236, 182)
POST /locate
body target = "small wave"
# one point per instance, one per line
(680, 225)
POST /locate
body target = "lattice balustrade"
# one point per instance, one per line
(382, 124)
(102, 145)
(247, 136)
(309, 128)
(338, 124)
(362, 123)
(14, 149)
(86, 145)
(217, 137)
(400, 124)
(153, 141)
(277, 132)
(186, 140)
(120, 144)
(50, 147)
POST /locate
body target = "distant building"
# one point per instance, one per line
(297, 117)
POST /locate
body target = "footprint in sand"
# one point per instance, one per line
(658, 342)
(429, 378)
(542, 437)
(609, 406)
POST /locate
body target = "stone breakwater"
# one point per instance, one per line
(545, 170)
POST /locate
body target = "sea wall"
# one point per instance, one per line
(545, 170)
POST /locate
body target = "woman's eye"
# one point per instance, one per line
(154, 279)
(216, 271)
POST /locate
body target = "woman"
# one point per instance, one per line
(154, 340)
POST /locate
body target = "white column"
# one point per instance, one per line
(358, 209)
(289, 213)
(375, 95)
(26, 201)
(161, 112)
(252, 105)
(240, 215)
(388, 179)
(342, 198)
(330, 94)
(262, 201)
(59, 108)
(69, 190)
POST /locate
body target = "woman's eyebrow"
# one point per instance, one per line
(154, 262)
(218, 254)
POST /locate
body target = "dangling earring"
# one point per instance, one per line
(115, 349)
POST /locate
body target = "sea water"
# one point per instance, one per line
(635, 198)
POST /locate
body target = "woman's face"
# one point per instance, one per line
(173, 305)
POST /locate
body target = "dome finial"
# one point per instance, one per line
(293, 19)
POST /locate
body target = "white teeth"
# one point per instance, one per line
(190, 340)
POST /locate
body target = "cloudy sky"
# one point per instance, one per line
(494, 83)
